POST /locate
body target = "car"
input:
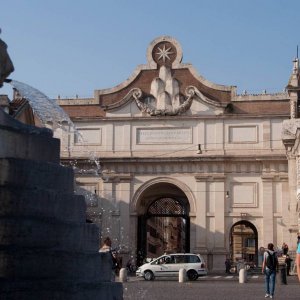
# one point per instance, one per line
(168, 265)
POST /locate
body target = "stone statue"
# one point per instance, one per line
(6, 65)
(6, 68)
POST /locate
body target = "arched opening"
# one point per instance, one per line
(163, 223)
(244, 242)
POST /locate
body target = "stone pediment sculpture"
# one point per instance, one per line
(165, 97)
(165, 86)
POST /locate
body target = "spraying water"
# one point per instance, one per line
(50, 113)
(47, 110)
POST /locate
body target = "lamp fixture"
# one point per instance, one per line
(199, 149)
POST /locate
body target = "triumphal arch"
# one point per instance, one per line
(172, 162)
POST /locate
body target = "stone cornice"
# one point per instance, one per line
(274, 177)
(261, 97)
(204, 81)
(114, 177)
(210, 177)
(135, 92)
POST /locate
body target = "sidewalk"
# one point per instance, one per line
(208, 288)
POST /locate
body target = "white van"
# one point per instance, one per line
(169, 265)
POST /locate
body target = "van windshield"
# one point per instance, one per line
(162, 260)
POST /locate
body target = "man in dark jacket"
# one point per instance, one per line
(269, 268)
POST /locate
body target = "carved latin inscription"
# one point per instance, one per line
(164, 136)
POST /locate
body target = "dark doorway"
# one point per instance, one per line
(244, 242)
(165, 228)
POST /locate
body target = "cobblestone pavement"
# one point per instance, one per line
(208, 287)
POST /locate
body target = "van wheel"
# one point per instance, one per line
(148, 275)
(192, 275)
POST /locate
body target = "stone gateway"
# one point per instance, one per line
(172, 162)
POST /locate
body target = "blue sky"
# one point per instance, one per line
(67, 47)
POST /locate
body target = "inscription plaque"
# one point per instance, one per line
(164, 135)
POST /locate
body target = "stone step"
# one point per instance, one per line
(46, 234)
(25, 145)
(42, 203)
(32, 174)
(39, 264)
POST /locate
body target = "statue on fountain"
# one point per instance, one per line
(6, 68)
(6, 65)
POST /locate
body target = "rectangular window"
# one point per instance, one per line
(192, 259)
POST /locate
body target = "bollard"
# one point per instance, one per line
(182, 275)
(242, 275)
(123, 275)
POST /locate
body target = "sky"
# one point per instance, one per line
(68, 48)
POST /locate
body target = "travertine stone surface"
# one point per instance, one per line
(47, 250)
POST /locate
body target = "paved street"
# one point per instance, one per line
(209, 287)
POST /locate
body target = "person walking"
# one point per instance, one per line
(227, 266)
(285, 249)
(269, 268)
(288, 262)
(282, 267)
(298, 257)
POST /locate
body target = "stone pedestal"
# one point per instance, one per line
(47, 250)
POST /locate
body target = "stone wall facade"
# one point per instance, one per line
(169, 132)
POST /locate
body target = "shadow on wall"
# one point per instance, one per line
(116, 221)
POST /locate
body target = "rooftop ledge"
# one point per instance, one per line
(261, 97)
(235, 98)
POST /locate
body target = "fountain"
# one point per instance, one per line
(47, 249)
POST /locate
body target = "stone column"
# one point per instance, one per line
(294, 188)
(108, 207)
(219, 250)
(124, 202)
(295, 203)
(201, 210)
(267, 210)
(220, 211)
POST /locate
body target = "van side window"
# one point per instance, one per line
(192, 259)
(172, 259)
(179, 259)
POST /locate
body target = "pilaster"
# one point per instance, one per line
(201, 223)
(220, 212)
(267, 210)
(123, 198)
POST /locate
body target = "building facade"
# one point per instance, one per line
(171, 162)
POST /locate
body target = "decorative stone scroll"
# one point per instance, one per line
(165, 103)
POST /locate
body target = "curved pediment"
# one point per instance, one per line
(165, 86)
